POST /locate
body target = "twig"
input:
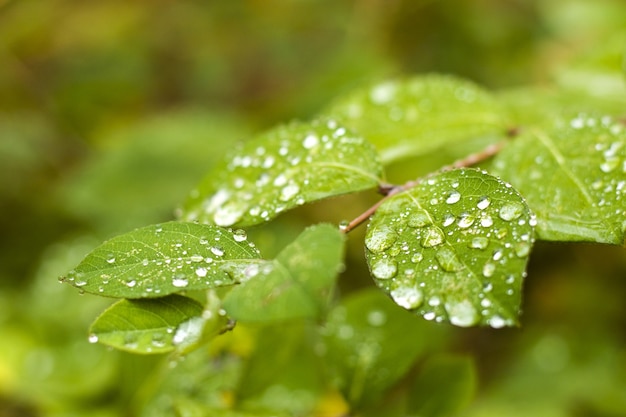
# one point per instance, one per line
(389, 190)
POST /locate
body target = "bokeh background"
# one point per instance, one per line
(111, 111)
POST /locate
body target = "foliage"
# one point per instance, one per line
(255, 299)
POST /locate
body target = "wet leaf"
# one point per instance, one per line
(370, 344)
(148, 326)
(297, 284)
(162, 259)
(573, 176)
(454, 248)
(281, 169)
(418, 115)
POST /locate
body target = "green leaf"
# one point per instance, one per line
(573, 176)
(454, 248)
(281, 169)
(162, 259)
(443, 388)
(147, 326)
(419, 115)
(297, 284)
(370, 344)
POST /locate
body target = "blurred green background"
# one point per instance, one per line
(111, 111)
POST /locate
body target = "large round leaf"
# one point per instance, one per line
(454, 248)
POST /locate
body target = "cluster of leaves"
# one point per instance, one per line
(451, 246)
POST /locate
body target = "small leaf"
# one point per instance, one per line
(296, 284)
(419, 115)
(146, 326)
(281, 169)
(454, 248)
(443, 388)
(162, 259)
(573, 176)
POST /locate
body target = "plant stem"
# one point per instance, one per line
(389, 190)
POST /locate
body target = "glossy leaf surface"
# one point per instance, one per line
(296, 284)
(162, 259)
(281, 169)
(573, 176)
(147, 326)
(419, 115)
(454, 248)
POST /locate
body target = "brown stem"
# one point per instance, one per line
(389, 190)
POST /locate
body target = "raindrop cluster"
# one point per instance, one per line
(454, 248)
(574, 177)
(158, 260)
(281, 169)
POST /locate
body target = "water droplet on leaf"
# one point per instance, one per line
(385, 269)
(407, 297)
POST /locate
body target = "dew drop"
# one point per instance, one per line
(430, 315)
(453, 197)
(407, 297)
(289, 192)
(229, 214)
(466, 220)
(385, 269)
(497, 254)
(131, 283)
(497, 322)
(180, 282)
(201, 272)
(196, 258)
(462, 314)
(240, 235)
(486, 221)
(489, 269)
(111, 259)
(610, 164)
(511, 211)
(483, 202)
(217, 251)
(479, 242)
(432, 237)
(310, 141)
(448, 219)
(417, 257)
(419, 219)
(448, 259)
(93, 338)
(380, 239)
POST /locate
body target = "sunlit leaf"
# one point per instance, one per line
(443, 387)
(370, 344)
(148, 326)
(281, 169)
(573, 176)
(162, 259)
(296, 284)
(454, 248)
(419, 115)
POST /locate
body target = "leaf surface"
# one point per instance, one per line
(454, 248)
(162, 259)
(147, 326)
(281, 169)
(573, 175)
(296, 284)
(418, 115)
